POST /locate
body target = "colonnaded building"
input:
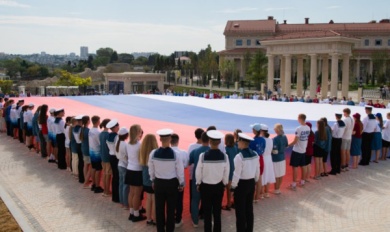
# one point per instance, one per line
(328, 49)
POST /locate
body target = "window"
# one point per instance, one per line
(378, 42)
(248, 42)
(367, 42)
(239, 42)
(258, 43)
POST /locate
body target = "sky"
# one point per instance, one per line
(163, 26)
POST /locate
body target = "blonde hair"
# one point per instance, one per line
(149, 143)
(279, 127)
(133, 133)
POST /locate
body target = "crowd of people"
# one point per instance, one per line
(126, 165)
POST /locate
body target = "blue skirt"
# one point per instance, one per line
(356, 146)
(376, 143)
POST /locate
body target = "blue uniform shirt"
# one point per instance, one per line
(280, 143)
(104, 151)
(85, 142)
(258, 145)
(194, 158)
(231, 153)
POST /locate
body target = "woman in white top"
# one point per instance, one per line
(67, 142)
(121, 154)
(386, 137)
(134, 173)
(268, 176)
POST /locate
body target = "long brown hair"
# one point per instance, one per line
(72, 121)
(133, 132)
(121, 138)
(43, 114)
(149, 143)
(321, 130)
(85, 121)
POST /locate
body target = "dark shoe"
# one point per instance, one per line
(227, 208)
(201, 216)
(142, 210)
(332, 173)
(150, 223)
(98, 190)
(139, 218)
(93, 187)
(131, 216)
(51, 161)
(322, 174)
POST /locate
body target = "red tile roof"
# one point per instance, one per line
(250, 26)
(240, 27)
(310, 34)
(240, 51)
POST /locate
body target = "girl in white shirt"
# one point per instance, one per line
(134, 173)
(67, 142)
(121, 154)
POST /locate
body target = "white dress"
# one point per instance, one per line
(268, 176)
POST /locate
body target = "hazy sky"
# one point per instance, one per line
(61, 27)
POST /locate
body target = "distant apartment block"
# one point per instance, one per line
(83, 52)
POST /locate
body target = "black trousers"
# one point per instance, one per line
(366, 148)
(43, 145)
(211, 196)
(165, 192)
(243, 202)
(60, 138)
(179, 206)
(20, 132)
(190, 194)
(9, 128)
(115, 178)
(80, 166)
(335, 155)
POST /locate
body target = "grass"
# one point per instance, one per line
(7, 222)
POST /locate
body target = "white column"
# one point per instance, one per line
(334, 75)
(357, 74)
(325, 76)
(271, 72)
(287, 84)
(282, 72)
(300, 76)
(313, 75)
(345, 80)
(371, 70)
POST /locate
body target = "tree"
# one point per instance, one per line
(257, 70)
(13, 67)
(379, 59)
(228, 69)
(208, 63)
(90, 62)
(141, 61)
(33, 71)
(125, 58)
(68, 79)
(114, 57)
(6, 86)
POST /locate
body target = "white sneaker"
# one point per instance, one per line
(293, 188)
(195, 225)
(179, 224)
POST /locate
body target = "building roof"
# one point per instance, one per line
(239, 51)
(250, 26)
(271, 26)
(310, 34)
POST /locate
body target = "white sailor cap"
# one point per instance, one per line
(59, 110)
(245, 137)
(31, 105)
(112, 123)
(123, 131)
(79, 117)
(215, 135)
(263, 127)
(164, 132)
(368, 107)
(338, 114)
(52, 110)
(256, 126)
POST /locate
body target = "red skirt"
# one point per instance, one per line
(261, 160)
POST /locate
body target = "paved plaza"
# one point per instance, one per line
(43, 198)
